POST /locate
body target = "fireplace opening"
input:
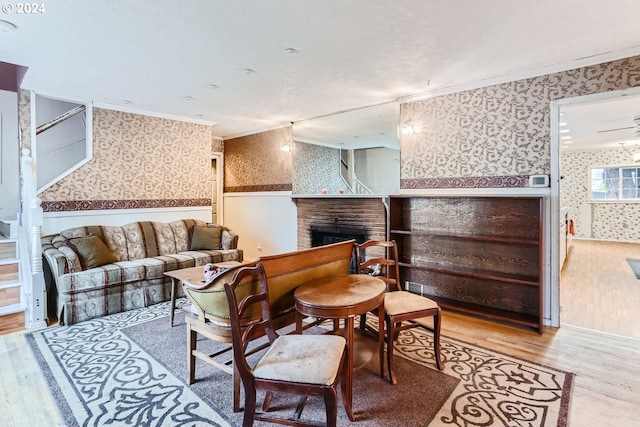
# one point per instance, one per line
(326, 235)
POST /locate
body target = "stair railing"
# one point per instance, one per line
(29, 233)
(360, 188)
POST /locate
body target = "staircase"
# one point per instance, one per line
(11, 289)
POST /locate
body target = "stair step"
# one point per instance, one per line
(9, 281)
(9, 270)
(10, 284)
(10, 296)
(11, 309)
(8, 248)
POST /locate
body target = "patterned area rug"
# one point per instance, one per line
(130, 369)
(635, 266)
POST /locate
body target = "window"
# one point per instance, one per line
(615, 183)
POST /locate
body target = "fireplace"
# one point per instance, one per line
(324, 235)
(335, 219)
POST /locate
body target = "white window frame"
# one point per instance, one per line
(620, 167)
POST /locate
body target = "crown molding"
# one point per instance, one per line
(526, 74)
(141, 112)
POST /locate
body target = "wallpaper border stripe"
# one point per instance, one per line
(88, 205)
(509, 181)
(258, 188)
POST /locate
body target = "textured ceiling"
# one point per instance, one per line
(162, 57)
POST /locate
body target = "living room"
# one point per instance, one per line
(485, 136)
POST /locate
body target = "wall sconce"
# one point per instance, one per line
(286, 147)
(407, 129)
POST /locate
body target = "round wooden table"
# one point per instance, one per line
(345, 296)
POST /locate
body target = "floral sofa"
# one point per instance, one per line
(98, 270)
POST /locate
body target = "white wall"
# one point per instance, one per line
(265, 222)
(379, 169)
(9, 180)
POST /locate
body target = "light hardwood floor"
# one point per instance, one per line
(598, 289)
(606, 388)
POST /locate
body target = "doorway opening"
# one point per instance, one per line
(598, 289)
(217, 177)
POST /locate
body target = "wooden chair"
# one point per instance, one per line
(305, 365)
(402, 308)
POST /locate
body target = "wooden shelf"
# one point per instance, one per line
(479, 238)
(488, 275)
(489, 312)
(480, 255)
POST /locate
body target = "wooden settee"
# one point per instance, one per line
(284, 272)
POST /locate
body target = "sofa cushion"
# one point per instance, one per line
(91, 251)
(229, 239)
(112, 236)
(182, 231)
(157, 266)
(203, 257)
(101, 277)
(205, 238)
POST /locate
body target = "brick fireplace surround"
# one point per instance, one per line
(340, 213)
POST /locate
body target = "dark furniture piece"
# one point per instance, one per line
(402, 308)
(474, 254)
(343, 296)
(285, 366)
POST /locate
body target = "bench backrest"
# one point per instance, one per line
(285, 272)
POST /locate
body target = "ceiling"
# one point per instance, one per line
(606, 123)
(189, 59)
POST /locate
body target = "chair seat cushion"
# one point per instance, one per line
(309, 359)
(399, 302)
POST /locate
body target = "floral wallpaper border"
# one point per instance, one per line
(467, 182)
(90, 205)
(257, 188)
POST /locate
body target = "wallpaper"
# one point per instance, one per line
(24, 118)
(217, 145)
(138, 161)
(316, 167)
(606, 221)
(257, 163)
(496, 136)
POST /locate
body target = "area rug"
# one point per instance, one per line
(130, 369)
(635, 266)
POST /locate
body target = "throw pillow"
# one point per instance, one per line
(92, 251)
(205, 238)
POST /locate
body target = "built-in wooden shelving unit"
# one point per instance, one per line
(474, 254)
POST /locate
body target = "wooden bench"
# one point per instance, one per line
(284, 272)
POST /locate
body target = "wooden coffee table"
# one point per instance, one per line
(193, 276)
